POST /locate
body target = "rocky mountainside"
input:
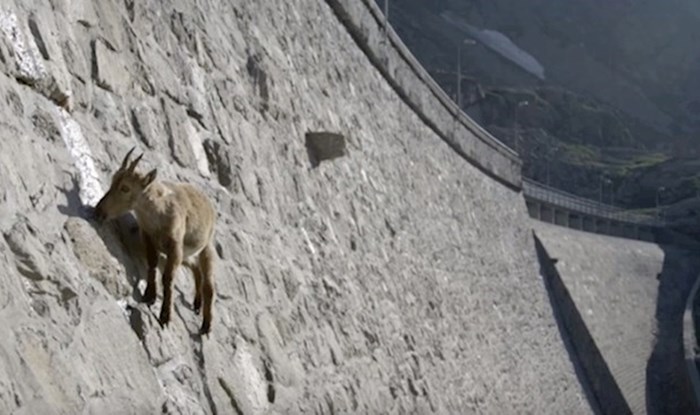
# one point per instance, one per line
(618, 76)
(396, 279)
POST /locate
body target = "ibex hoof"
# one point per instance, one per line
(149, 297)
(197, 305)
(164, 318)
(205, 328)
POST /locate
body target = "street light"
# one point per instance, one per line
(385, 39)
(467, 41)
(658, 193)
(386, 14)
(549, 157)
(518, 139)
(603, 181)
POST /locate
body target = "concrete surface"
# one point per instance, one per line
(631, 296)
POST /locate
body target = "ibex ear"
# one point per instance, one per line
(150, 177)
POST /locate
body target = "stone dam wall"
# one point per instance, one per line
(598, 381)
(622, 302)
(366, 23)
(400, 278)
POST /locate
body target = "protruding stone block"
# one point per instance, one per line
(324, 146)
(220, 160)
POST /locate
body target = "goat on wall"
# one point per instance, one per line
(175, 219)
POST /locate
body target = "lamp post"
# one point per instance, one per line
(467, 41)
(603, 181)
(386, 14)
(518, 139)
(548, 162)
(658, 194)
(385, 40)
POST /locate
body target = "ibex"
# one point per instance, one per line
(175, 219)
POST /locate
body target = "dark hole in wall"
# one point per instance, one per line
(322, 146)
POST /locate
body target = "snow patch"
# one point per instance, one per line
(253, 386)
(197, 147)
(499, 43)
(88, 179)
(26, 53)
(124, 306)
(31, 68)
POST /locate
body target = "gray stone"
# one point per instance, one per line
(145, 125)
(45, 124)
(75, 59)
(29, 254)
(92, 252)
(109, 112)
(38, 38)
(220, 158)
(273, 347)
(177, 130)
(111, 72)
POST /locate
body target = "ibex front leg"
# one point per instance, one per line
(174, 252)
(149, 297)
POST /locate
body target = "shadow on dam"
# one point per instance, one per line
(594, 375)
(667, 390)
(667, 387)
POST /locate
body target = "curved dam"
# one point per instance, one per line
(622, 303)
(400, 277)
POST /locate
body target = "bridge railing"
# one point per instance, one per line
(547, 194)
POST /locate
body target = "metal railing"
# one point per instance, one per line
(542, 193)
(531, 189)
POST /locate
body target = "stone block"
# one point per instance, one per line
(110, 71)
(29, 254)
(92, 252)
(145, 125)
(176, 125)
(324, 146)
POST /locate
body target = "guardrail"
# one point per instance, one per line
(542, 193)
(385, 49)
(367, 25)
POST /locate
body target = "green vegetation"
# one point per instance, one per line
(648, 160)
(580, 155)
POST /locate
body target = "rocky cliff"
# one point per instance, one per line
(599, 49)
(619, 88)
(399, 278)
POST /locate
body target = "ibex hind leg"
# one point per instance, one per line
(197, 274)
(174, 249)
(206, 267)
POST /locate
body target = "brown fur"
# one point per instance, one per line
(175, 219)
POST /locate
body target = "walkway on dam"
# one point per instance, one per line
(630, 295)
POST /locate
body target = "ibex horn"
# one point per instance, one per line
(132, 167)
(126, 159)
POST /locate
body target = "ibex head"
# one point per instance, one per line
(125, 190)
